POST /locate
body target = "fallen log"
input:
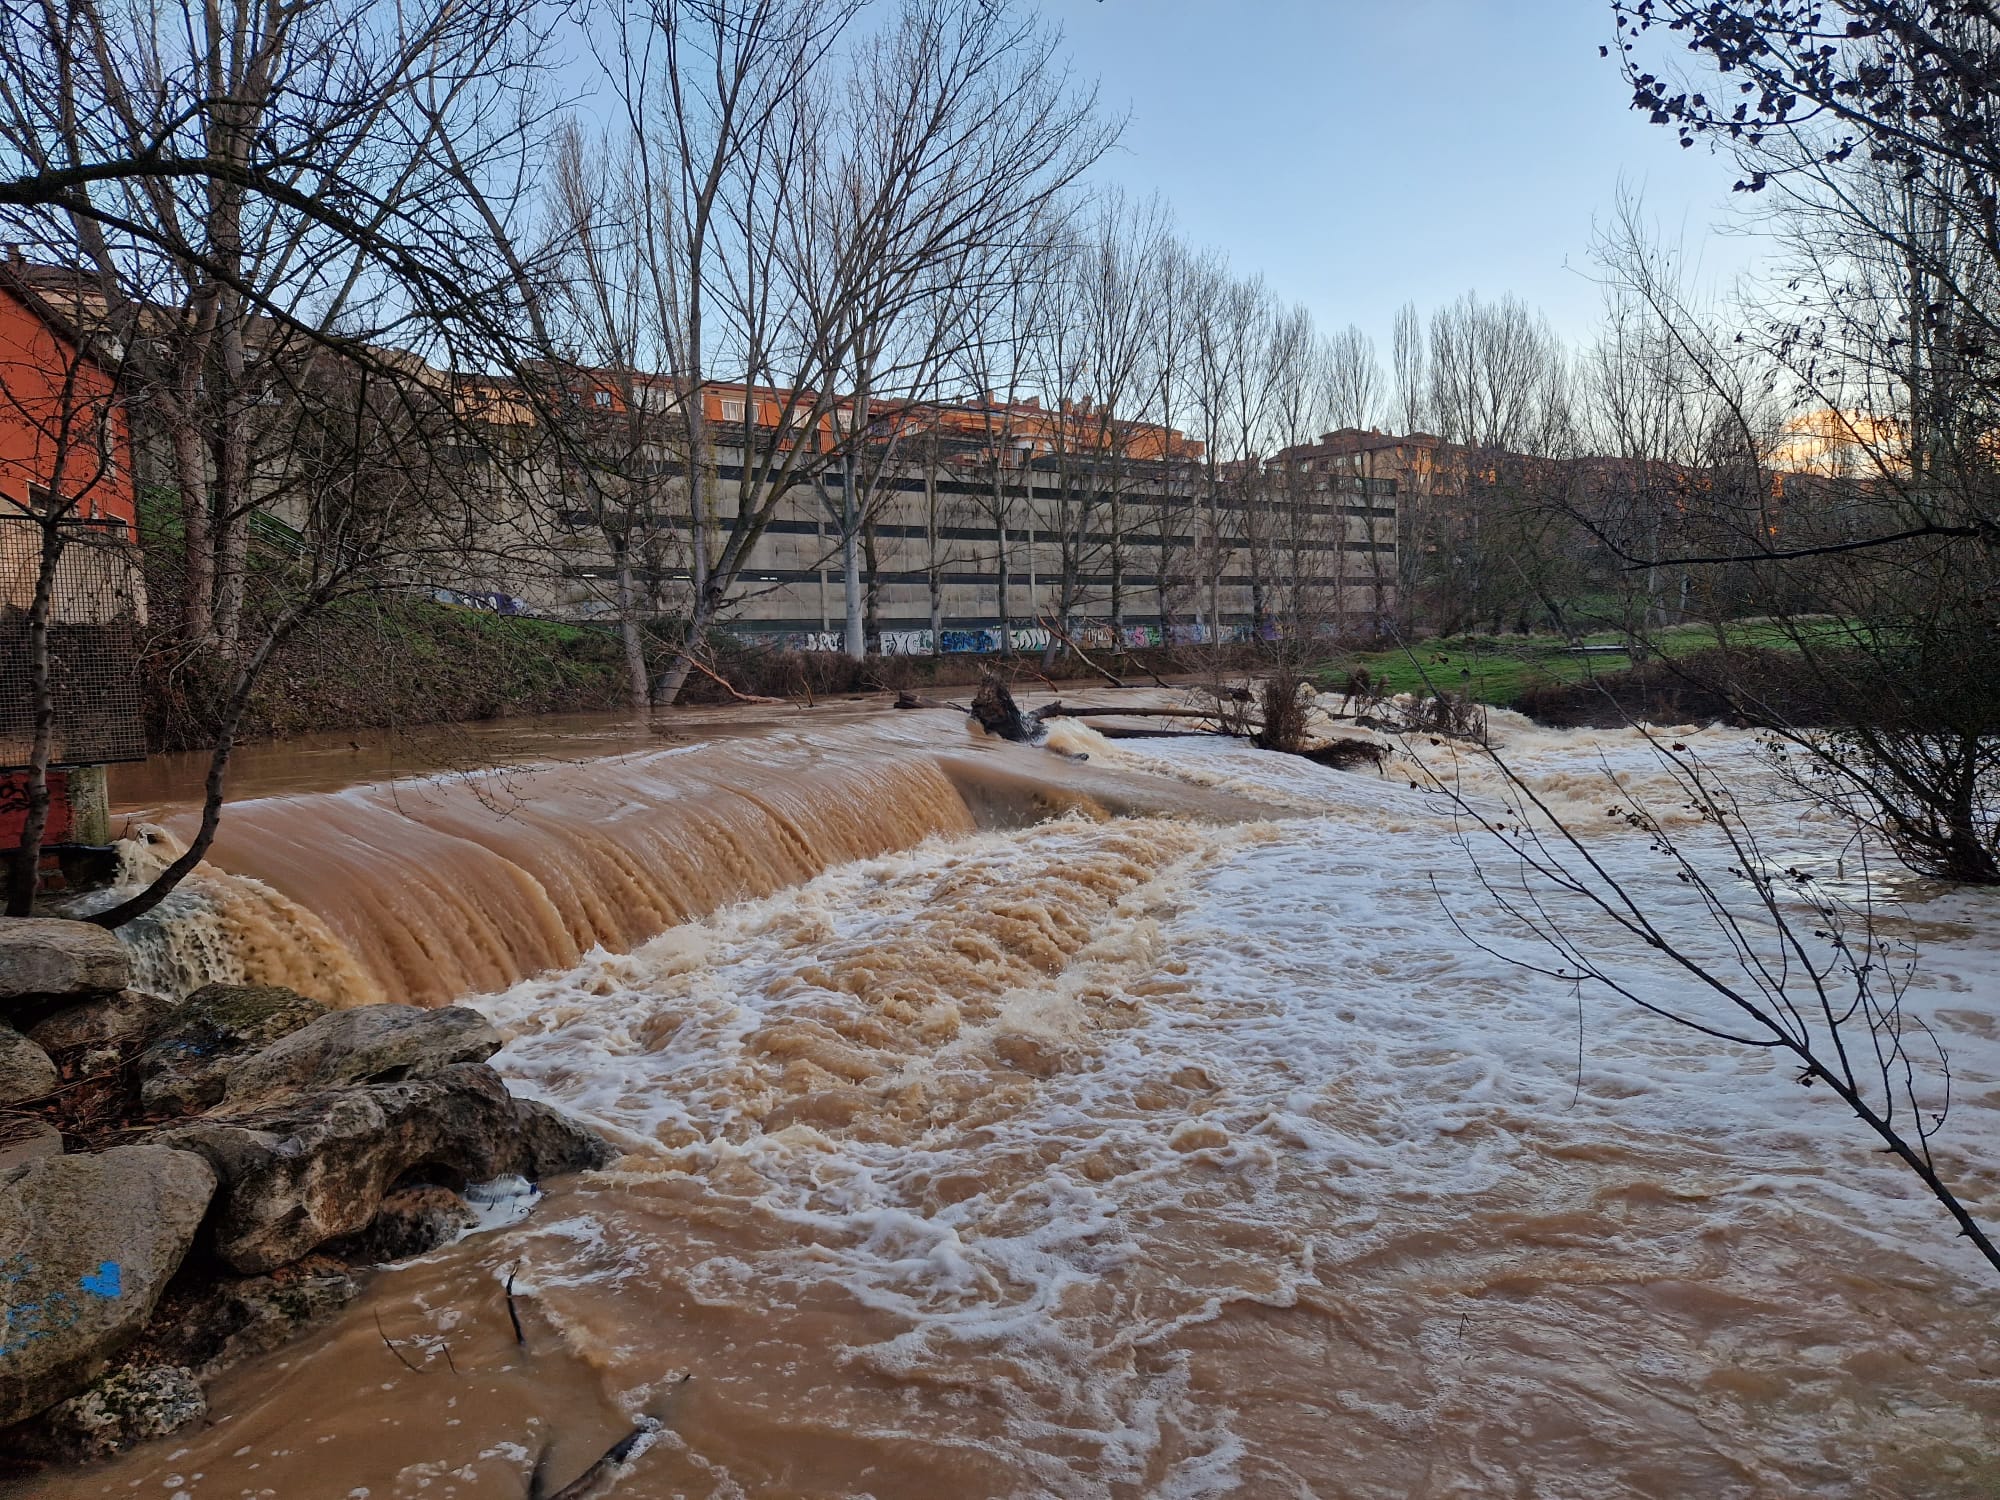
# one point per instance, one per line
(908, 699)
(729, 687)
(1061, 710)
(592, 1481)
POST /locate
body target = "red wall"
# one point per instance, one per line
(42, 378)
(14, 808)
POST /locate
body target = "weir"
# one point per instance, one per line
(426, 889)
(1209, 1154)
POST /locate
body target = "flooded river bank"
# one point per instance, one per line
(1001, 1124)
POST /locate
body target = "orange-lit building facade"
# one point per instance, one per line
(65, 458)
(1066, 508)
(63, 433)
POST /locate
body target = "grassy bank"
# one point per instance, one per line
(1501, 670)
(370, 662)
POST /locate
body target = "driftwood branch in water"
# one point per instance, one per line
(729, 687)
(390, 1344)
(513, 1313)
(586, 1485)
(908, 699)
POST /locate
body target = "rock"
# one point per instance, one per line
(45, 959)
(312, 1167)
(87, 1244)
(209, 1325)
(93, 1062)
(96, 1022)
(124, 1409)
(26, 1071)
(371, 1044)
(413, 1221)
(186, 1070)
(23, 1139)
(552, 1144)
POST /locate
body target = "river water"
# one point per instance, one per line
(1162, 1124)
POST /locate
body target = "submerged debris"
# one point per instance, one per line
(596, 1480)
(996, 712)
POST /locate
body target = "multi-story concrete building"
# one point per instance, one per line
(973, 517)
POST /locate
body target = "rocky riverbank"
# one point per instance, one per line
(183, 1186)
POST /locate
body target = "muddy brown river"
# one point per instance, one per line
(1157, 1124)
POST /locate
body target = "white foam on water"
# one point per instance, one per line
(1073, 1117)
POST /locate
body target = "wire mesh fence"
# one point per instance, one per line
(96, 610)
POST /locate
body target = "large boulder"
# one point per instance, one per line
(45, 960)
(209, 1325)
(103, 1020)
(87, 1244)
(120, 1411)
(553, 1145)
(26, 1071)
(23, 1139)
(371, 1044)
(187, 1068)
(412, 1221)
(312, 1167)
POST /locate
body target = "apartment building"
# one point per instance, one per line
(976, 516)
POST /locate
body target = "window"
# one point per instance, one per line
(603, 398)
(732, 411)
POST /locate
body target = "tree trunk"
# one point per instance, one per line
(636, 677)
(671, 681)
(232, 566)
(1117, 573)
(197, 543)
(936, 563)
(25, 873)
(871, 624)
(856, 638)
(232, 475)
(1001, 575)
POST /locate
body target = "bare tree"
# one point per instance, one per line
(1353, 378)
(315, 228)
(1756, 952)
(1866, 136)
(615, 420)
(992, 359)
(400, 131)
(1409, 371)
(1170, 355)
(831, 207)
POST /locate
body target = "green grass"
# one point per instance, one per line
(1498, 669)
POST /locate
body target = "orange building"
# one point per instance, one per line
(1034, 430)
(64, 439)
(66, 453)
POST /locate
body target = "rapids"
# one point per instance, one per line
(996, 1128)
(422, 889)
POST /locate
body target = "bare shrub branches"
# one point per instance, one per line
(1747, 949)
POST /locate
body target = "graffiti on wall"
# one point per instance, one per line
(985, 640)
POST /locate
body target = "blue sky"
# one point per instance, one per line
(1364, 152)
